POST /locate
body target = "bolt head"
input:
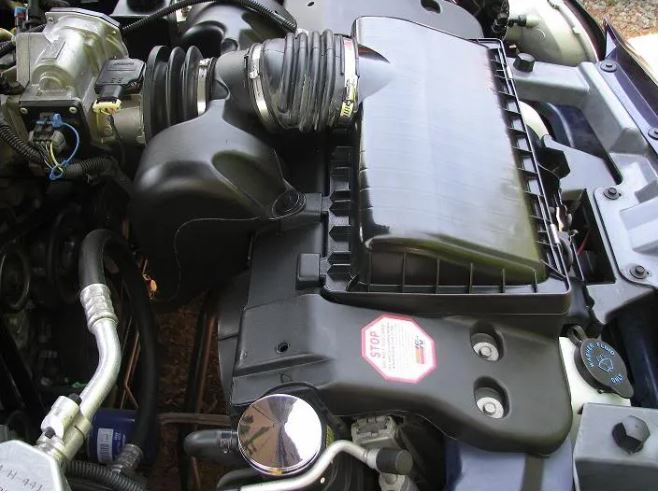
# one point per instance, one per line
(485, 351)
(631, 434)
(489, 408)
(73, 110)
(611, 193)
(653, 133)
(23, 111)
(639, 272)
(608, 66)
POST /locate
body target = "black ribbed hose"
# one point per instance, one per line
(305, 81)
(96, 167)
(102, 475)
(95, 247)
(280, 16)
(7, 47)
(20, 146)
(89, 167)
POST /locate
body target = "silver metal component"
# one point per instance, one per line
(63, 448)
(491, 407)
(201, 84)
(375, 432)
(554, 233)
(62, 414)
(254, 75)
(381, 432)
(485, 346)
(396, 482)
(128, 460)
(129, 122)
(280, 434)
(349, 105)
(97, 303)
(23, 110)
(68, 423)
(102, 322)
(486, 351)
(181, 14)
(26, 468)
(62, 62)
(303, 481)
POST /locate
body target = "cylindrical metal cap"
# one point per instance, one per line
(280, 434)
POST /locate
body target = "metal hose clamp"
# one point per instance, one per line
(349, 105)
(256, 83)
(202, 85)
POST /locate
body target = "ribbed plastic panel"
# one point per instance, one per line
(432, 217)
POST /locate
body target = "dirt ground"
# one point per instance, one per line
(631, 17)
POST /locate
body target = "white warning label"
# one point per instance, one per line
(398, 348)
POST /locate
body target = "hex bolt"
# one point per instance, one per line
(49, 432)
(631, 434)
(653, 133)
(611, 193)
(639, 272)
(491, 407)
(73, 110)
(485, 351)
(23, 111)
(608, 66)
(485, 346)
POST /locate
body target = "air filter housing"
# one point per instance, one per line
(443, 195)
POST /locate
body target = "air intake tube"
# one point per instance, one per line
(306, 82)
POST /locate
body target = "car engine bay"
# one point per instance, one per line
(424, 230)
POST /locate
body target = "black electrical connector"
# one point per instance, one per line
(118, 77)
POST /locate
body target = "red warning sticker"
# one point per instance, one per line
(398, 348)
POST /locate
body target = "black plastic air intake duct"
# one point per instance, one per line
(306, 82)
(176, 87)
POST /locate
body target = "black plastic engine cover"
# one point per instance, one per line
(289, 336)
(295, 328)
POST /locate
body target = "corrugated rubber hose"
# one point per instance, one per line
(102, 475)
(20, 146)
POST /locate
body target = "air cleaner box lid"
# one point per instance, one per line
(439, 173)
(448, 191)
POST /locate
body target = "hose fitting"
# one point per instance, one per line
(97, 303)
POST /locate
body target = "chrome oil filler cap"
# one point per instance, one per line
(280, 434)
